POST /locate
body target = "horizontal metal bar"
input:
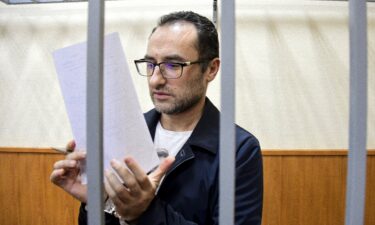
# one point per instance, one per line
(15, 2)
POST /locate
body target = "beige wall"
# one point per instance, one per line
(292, 68)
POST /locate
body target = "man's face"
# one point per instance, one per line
(175, 43)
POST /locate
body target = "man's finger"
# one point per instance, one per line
(139, 174)
(126, 176)
(110, 192)
(76, 155)
(116, 186)
(69, 164)
(119, 199)
(164, 166)
(56, 174)
(71, 145)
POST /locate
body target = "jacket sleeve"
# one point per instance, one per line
(249, 183)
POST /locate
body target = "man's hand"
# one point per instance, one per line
(65, 174)
(133, 196)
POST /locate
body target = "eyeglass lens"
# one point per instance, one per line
(168, 70)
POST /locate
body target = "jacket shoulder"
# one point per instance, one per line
(244, 136)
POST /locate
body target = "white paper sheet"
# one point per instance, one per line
(125, 130)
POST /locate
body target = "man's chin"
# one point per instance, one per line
(163, 107)
(173, 108)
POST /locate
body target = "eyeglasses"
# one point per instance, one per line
(169, 70)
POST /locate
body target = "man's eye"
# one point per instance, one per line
(150, 66)
(172, 66)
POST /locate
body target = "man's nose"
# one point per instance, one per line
(157, 78)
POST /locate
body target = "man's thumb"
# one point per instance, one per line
(162, 169)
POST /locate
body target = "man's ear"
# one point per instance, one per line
(212, 69)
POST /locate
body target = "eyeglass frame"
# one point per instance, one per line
(182, 64)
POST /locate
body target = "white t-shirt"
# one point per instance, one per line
(169, 141)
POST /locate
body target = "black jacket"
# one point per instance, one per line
(189, 192)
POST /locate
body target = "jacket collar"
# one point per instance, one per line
(205, 135)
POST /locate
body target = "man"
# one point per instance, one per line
(182, 59)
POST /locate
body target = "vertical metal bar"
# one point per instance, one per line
(356, 178)
(214, 12)
(94, 107)
(227, 128)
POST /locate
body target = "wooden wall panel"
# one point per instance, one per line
(370, 191)
(309, 188)
(306, 194)
(9, 199)
(27, 195)
(272, 167)
(300, 188)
